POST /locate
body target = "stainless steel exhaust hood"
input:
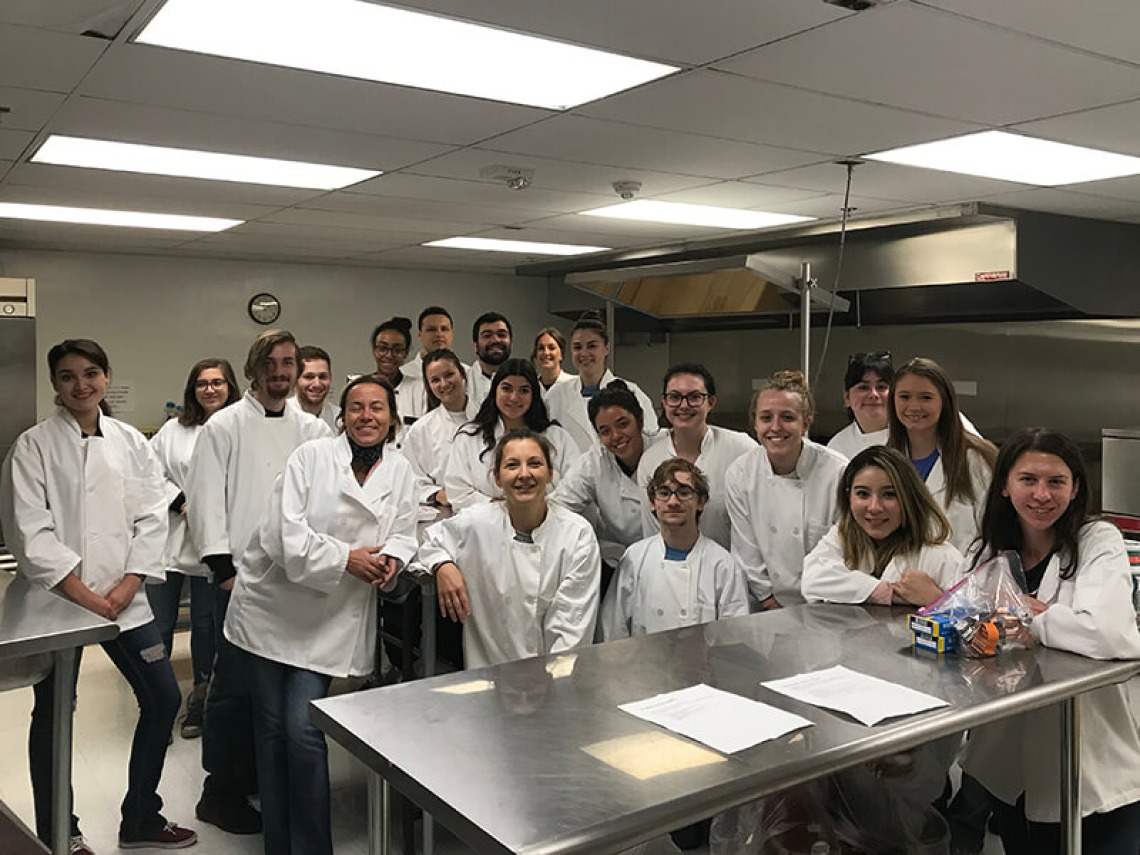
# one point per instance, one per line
(966, 262)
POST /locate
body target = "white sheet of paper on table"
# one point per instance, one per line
(868, 699)
(721, 720)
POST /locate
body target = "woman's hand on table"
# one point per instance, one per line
(452, 592)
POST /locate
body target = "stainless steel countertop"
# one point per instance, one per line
(505, 768)
(33, 620)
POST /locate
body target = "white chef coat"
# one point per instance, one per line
(294, 602)
(93, 506)
(777, 521)
(1089, 614)
(413, 372)
(828, 579)
(566, 404)
(468, 479)
(527, 599)
(651, 594)
(238, 455)
(563, 377)
(173, 445)
(427, 446)
(478, 384)
(597, 483)
(851, 440)
(720, 448)
(964, 514)
(330, 411)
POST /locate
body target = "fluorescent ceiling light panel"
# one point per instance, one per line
(1012, 157)
(525, 247)
(186, 163)
(373, 42)
(103, 217)
(694, 215)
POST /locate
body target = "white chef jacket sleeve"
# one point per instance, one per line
(1100, 622)
(442, 542)
(401, 543)
(944, 564)
(151, 520)
(617, 608)
(745, 549)
(577, 490)
(828, 579)
(566, 452)
(206, 492)
(570, 620)
(29, 527)
(461, 481)
(417, 451)
(309, 558)
(160, 443)
(732, 589)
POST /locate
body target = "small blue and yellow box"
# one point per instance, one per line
(935, 633)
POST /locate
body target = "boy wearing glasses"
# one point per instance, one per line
(677, 577)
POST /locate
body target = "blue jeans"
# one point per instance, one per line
(140, 658)
(164, 602)
(292, 758)
(227, 727)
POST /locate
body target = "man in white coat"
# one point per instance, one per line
(678, 577)
(314, 382)
(236, 460)
(435, 330)
(491, 334)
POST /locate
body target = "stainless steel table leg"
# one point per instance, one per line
(63, 678)
(378, 815)
(1071, 775)
(427, 645)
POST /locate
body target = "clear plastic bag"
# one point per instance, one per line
(986, 609)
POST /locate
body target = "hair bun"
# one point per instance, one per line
(591, 315)
(399, 323)
(616, 385)
(789, 377)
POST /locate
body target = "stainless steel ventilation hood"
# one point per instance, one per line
(966, 262)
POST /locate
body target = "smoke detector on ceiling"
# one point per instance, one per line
(627, 189)
(515, 177)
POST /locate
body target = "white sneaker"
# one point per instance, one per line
(78, 846)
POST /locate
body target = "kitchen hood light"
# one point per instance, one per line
(1012, 157)
(525, 247)
(695, 215)
(104, 217)
(187, 163)
(373, 42)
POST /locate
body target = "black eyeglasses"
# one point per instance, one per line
(693, 399)
(681, 491)
(217, 383)
(394, 349)
(862, 358)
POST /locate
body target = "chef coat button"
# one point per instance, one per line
(683, 612)
(530, 601)
(795, 531)
(660, 612)
(772, 529)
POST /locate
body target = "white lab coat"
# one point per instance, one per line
(468, 479)
(597, 483)
(293, 601)
(651, 594)
(566, 404)
(720, 448)
(777, 521)
(527, 599)
(964, 514)
(563, 377)
(414, 373)
(851, 440)
(173, 445)
(1089, 614)
(478, 384)
(330, 411)
(238, 455)
(90, 506)
(427, 446)
(828, 579)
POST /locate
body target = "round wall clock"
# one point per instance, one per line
(264, 308)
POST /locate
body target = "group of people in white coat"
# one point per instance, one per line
(576, 519)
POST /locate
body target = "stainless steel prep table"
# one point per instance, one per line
(34, 622)
(504, 767)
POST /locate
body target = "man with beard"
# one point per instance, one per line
(491, 334)
(236, 460)
(435, 332)
(314, 382)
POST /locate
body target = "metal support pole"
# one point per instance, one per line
(428, 596)
(63, 680)
(1071, 775)
(611, 330)
(805, 319)
(378, 815)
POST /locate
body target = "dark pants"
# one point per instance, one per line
(1114, 833)
(227, 727)
(140, 658)
(292, 758)
(165, 600)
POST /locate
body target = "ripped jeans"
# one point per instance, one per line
(141, 658)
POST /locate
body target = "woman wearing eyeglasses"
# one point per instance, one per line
(782, 497)
(391, 342)
(688, 395)
(210, 386)
(866, 390)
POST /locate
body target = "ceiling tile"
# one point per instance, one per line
(584, 140)
(539, 234)
(369, 238)
(740, 194)
(69, 16)
(39, 59)
(208, 84)
(474, 191)
(13, 143)
(725, 105)
(437, 258)
(889, 181)
(1109, 128)
(423, 209)
(364, 222)
(922, 59)
(598, 228)
(689, 32)
(830, 206)
(72, 196)
(1127, 188)
(28, 109)
(1107, 27)
(1067, 202)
